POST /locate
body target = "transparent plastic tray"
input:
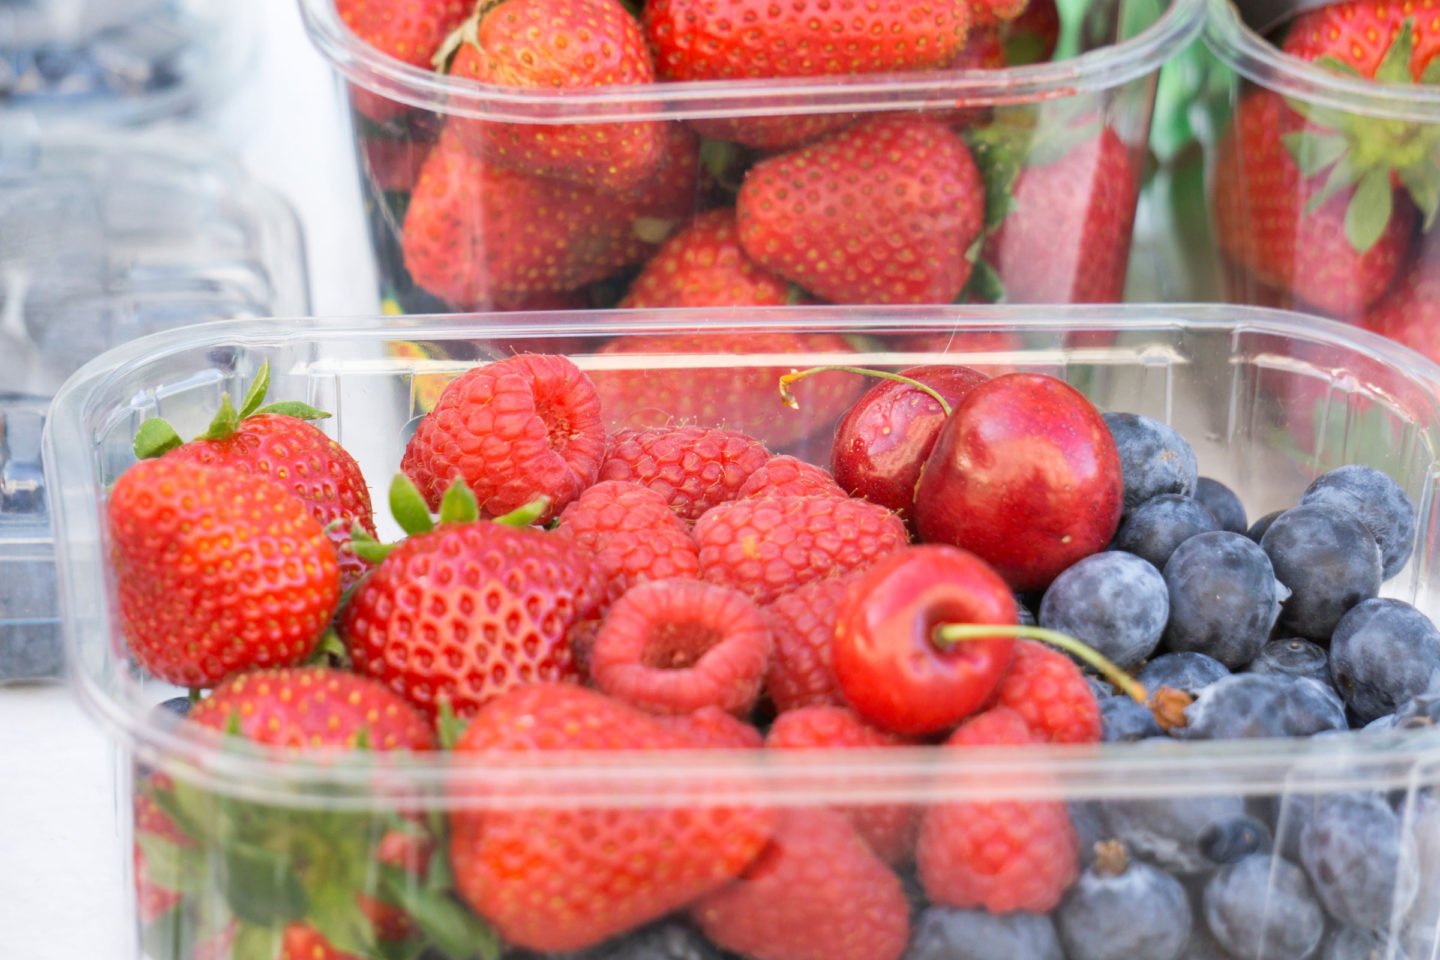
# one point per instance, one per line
(1268, 400)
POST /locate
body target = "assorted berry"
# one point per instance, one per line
(572, 594)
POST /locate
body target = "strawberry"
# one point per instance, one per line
(1268, 222)
(474, 232)
(989, 13)
(568, 877)
(883, 212)
(1410, 312)
(1357, 37)
(216, 571)
(816, 893)
(411, 31)
(301, 942)
(276, 441)
(702, 265)
(560, 45)
(1066, 235)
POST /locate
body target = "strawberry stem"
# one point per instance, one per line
(960, 632)
(796, 376)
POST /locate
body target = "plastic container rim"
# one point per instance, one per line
(1117, 769)
(1250, 55)
(1099, 69)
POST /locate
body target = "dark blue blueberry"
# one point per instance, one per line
(1190, 672)
(948, 933)
(1263, 907)
(1248, 705)
(1119, 910)
(1224, 598)
(1154, 529)
(1154, 458)
(1168, 832)
(1088, 819)
(1382, 653)
(1328, 560)
(1423, 816)
(1421, 710)
(1224, 506)
(1353, 943)
(1258, 528)
(1101, 688)
(1378, 502)
(180, 706)
(1122, 720)
(1361, 863)
(1024, 617)
(1114, 602)
(1296, 657)
(667, 940)
(1233, 840)
(1202, 946)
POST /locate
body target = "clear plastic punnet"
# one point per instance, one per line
(951, 184)
(239, 850)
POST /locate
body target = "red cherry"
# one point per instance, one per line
(1025, 475)
(886, 657)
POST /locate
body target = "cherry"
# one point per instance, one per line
(1025, 475)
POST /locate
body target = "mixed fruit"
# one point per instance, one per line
(985, 562)
(1030, 202)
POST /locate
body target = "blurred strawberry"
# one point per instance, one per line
(411, 31)
(1358, 36)
(702, 265)
(392, 164)
(1410, 312)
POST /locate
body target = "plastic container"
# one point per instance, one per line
(1268, 399)
(1343, 258)
(492, 225)
(105, 237)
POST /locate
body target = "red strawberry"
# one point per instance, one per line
(890, 831)
(300, 942)
(1050, 694)
(1001, 855)
(718, 383)
(560, 45)
(787, 476)
(216, 571)
(988, 13)
(411, 31)
(1066, 237)
(883, 212)
(816, 893)
(803, 625)
(1410, 312)
(1261, 220)
(1359, 34)
(713, 727)
(514, 430)
(632, 532)
(765, 548)
(568, 877)
(474, 232)
(471, 610)
(702, 265)
(393, 164)
(691, 467)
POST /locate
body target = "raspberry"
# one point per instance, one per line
(1051, 694)
(766, 548)
(694, 468)
(803, 625)
(633, 534)
(1001, 855)
(890, 831)
(674, 646)
(517, 429)
(787, 476)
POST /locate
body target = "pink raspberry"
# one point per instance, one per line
(633, 533)
(787, 476)
(692, 467)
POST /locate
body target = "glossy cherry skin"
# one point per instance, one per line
(886, 660)
(883, 440)
(1025, 475)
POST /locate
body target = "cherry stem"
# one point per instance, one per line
(959, 632)
(789, 400)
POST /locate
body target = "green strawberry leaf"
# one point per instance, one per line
(331, 651)
(459, 504)
(256, 394)
(155, 438)
(1368, 213)
(1336, 65)
(170, 935)
(525, 516)
(260, 886)
(294, 408)
(227, 418)
(366, 547)
(1313, 152)
(1000, 164)
(335, 914)
(984, 285)
(408, 507)
(1023, 49)
(1424, 189)
(1318, 115)
(451, 927)
(1395, 67)
(448, 727)
(255, 942)
(170, 865)
(1342, 175)
(653, 230)
(1431, 74)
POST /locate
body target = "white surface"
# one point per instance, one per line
(61, 895)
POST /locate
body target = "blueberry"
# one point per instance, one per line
(1114, 602)
(1421, 710)
(1224, 598)
(1258, 528)
(948, 933)
(179, 706)
(1296, 657)
(1154, 458)
(1101, 688)
(1263, 907)
(1382, 653)
(1024, 616)
(1122, 720)
(1088, 819)
(1190, 672)
(1353, 943)
(1328, 560)
(1231, 840)
(1202, 946)
(1118, 910)
(1168, 832)
(1361, 863)
(1224, 506)
(667, 940)
(1378, 502)
(1249, 705)
(1423, 817)
(1154, 529)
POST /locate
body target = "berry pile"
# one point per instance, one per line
(988, 563)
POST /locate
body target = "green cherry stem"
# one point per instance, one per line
(960, 632)
(789, 400)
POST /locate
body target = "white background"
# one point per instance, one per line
(61, 895)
